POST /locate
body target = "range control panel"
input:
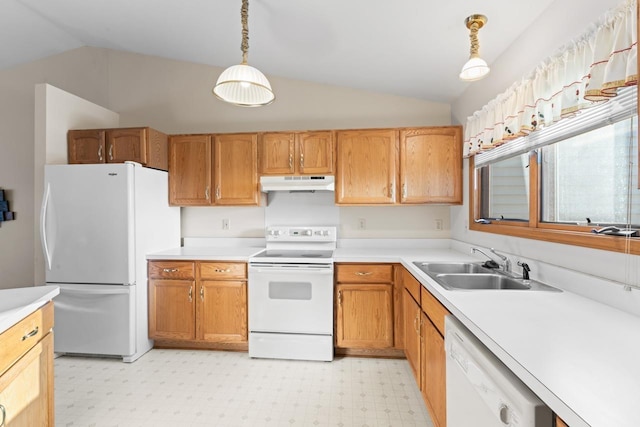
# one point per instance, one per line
(300, 234)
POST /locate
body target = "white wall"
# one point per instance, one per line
(57, 111)
(175, 97)
(84, 75)
(552, 30)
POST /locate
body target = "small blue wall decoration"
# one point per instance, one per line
(5, 213)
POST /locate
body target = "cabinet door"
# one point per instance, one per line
(190, 170)
(127, 145)
(412, 340)
(366, 167)
(433, 372)
(222, 311)
(431, 165)
(172, 313)
(86, 146)
(26, 389)
(236, 169)
(364, 316)
(315, 152)
(276, 153)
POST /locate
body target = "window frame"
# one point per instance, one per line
(576, 235)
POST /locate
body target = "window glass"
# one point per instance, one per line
(505, 189)
(593, 175)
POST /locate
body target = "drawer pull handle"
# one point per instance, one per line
(190, 293)
(4, 415)
(170, 270)
(201, 293)
(218, 270)
(363, 273)
(30, 334)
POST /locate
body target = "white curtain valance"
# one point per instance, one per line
(587, 71)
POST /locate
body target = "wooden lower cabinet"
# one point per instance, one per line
(424, 345)
(26, 371)
(198, 304)
(433, 379)
(412, 339)
(365, 315)
(222, 312)
(368, 310)
(172, 313)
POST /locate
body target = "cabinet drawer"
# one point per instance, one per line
(171, 270)
(411, 284)
(223, 270)
(364, 273)
(432, 308)
(22, 336)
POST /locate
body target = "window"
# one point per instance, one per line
(593, 177)
(505, 189)
(562, 190)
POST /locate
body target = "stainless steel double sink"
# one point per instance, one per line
(473, 276)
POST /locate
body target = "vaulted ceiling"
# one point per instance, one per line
(409, 48)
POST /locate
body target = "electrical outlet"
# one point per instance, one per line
(226, 224)
(438, 224)
(362, 224)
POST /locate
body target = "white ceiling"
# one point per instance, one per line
(409, 48)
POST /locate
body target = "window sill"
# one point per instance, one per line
(568, 237)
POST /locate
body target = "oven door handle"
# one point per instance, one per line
(293, 270)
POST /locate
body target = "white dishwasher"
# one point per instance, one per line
(481, 390)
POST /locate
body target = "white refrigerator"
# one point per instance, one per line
(97, 223)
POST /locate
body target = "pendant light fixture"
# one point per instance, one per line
(476, 68)
(242, 84)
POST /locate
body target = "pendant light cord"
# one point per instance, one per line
(473, 37)
(244, 14)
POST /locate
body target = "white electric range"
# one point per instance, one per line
(291, 294)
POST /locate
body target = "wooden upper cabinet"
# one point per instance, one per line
(190, 170)
(86, 146)
(366, 166)
(431, 165)
(236, 169)
(142, 145)
(315, 152)
(296, 153)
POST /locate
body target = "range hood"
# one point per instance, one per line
(297, 183)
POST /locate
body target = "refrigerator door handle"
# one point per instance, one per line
(43, 225)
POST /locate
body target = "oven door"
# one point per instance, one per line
(291, 298)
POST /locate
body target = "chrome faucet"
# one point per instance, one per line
(506, 266)
(507, 263)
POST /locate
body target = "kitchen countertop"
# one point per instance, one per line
(18, 303)
(205, 253)
(578, 355)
